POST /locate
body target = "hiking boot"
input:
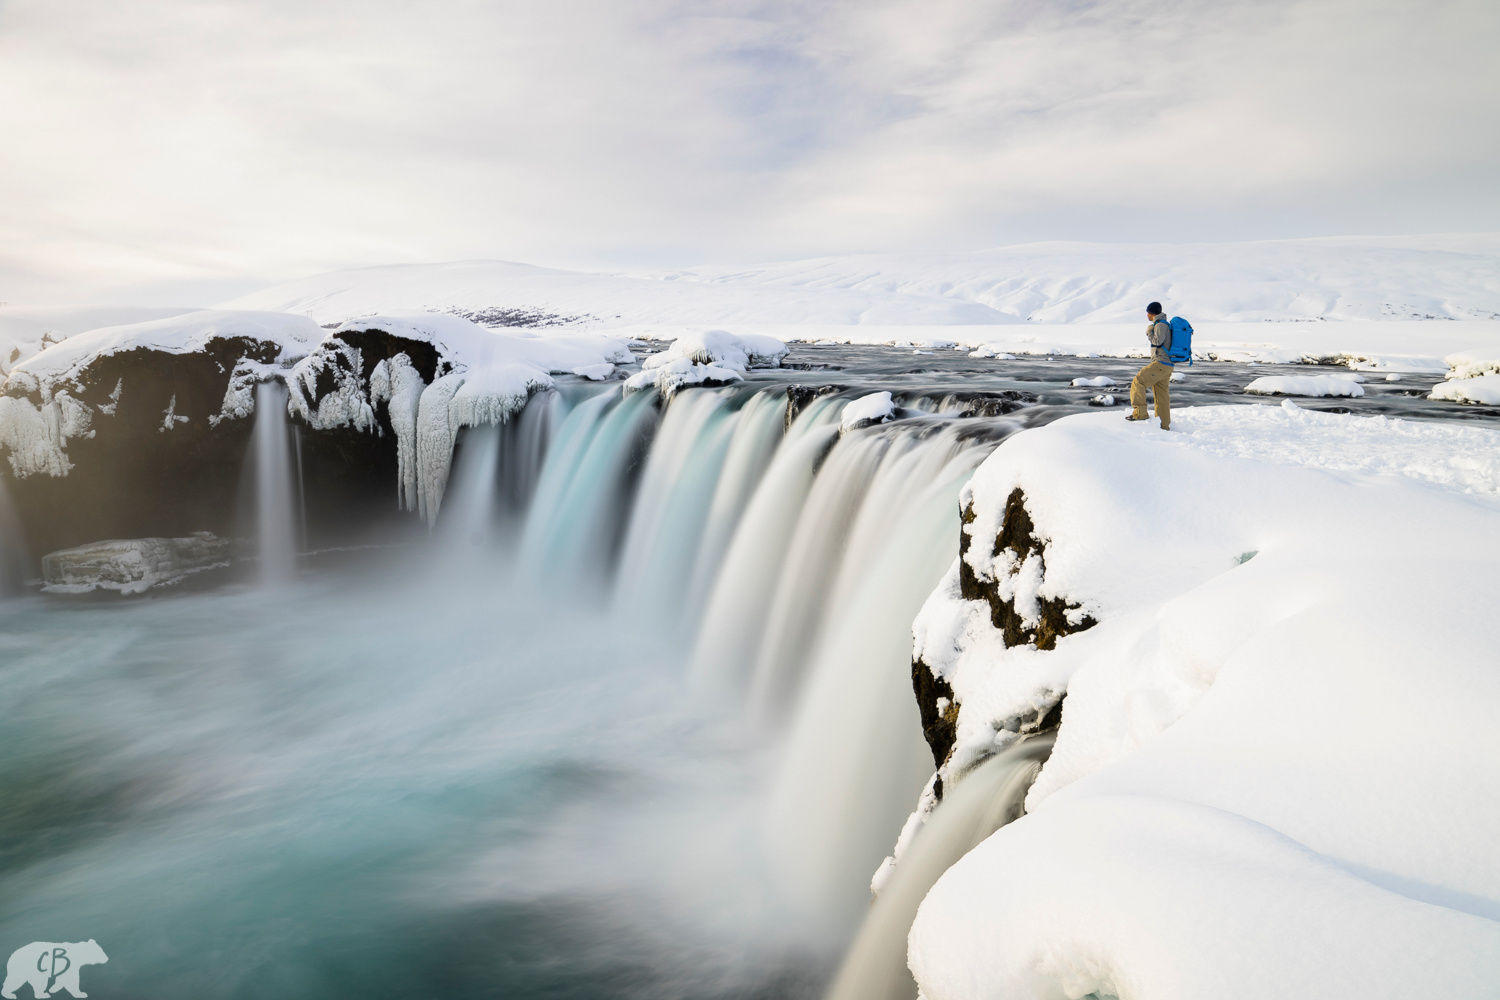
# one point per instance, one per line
(1141, 417)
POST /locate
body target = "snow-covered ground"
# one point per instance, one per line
(23, 332)
(1454, 276)
(1393, 302)
(1276, 767)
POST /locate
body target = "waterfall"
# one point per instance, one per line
(987, 798)
(853, 760)
(275, 502)
(790, 560)
(728, 642)
(573, 527)
(672, 504)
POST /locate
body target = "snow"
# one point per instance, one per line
(182, 334)
(1473, 377)
(1097, 382)
(1246, 797)
(875, 408)
(1307, 385)
(1476, 389)
(25, 331)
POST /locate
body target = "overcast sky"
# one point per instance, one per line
(181, 151)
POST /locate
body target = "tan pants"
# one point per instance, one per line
(1155, 377)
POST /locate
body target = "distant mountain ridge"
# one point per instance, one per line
(1454, 276)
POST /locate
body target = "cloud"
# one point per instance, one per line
(171, 145)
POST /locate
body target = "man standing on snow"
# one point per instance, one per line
(1156, 375)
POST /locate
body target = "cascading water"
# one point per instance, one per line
(988, 797)
(276, 508)
(853, 759)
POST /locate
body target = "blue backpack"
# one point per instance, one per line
(1180, 347)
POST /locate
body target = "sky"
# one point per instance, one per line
(182, 152)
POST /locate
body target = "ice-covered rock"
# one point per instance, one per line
(131, 565)
(1096, 382)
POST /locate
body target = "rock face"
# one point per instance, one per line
(132, 565)
(152, 443)
(1017, 549)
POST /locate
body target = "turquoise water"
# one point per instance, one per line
(384, 779)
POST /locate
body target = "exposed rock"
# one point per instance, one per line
(131, 565)
(1054, 618)
(799, 396)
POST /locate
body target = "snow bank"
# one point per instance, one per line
(1306, 385)
(1473, 377)
(24, 332)
(875, 408)
(188, 333)
(707, 357)
(1246, 797)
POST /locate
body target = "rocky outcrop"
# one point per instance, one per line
(1020, 616)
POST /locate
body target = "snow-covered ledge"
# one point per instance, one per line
(1274, 764)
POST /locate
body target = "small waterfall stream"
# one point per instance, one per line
(277, 509)
(988, 797)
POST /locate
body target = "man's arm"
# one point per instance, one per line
(1158, 333)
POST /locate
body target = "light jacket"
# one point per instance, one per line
(1159, 333)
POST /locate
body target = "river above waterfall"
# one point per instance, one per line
(635, 722)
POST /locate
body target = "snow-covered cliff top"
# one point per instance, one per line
(1276, 765)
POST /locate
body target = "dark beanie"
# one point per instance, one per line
(1154, 309)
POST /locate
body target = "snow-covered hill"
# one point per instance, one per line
(546, 295)
(1345, 278)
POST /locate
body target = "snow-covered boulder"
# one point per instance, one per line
(1473, 377)
(1475, 389)
(707, 358)
(875, 408)
(1307, 385)
(1244, 791)
(1097, 382)
(131, 565)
